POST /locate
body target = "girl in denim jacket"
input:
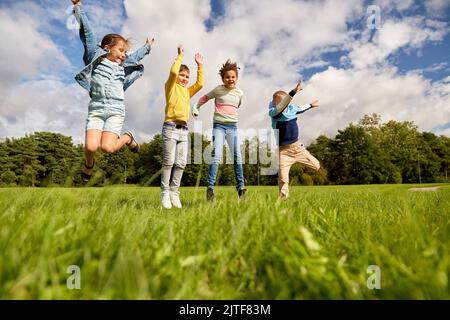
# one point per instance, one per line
(108, 72)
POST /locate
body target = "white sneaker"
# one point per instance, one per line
(165, 201)
(175, 199)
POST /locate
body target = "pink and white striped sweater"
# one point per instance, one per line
(227, 103)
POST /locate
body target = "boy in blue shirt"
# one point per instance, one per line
(284, 122)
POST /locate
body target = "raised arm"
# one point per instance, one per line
(86, 34)
(306, 107)
(279, 108)
(199, 83)
(140, 53)
(172, 80)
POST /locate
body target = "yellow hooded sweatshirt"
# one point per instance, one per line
(177, 96)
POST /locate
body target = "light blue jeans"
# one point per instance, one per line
(222, 132)
(175, 150)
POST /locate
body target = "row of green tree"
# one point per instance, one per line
(363, 153)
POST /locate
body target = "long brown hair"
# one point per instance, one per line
(112, 39)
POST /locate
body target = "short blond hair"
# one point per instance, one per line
(279, 94)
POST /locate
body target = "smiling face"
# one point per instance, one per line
(229, 79)
(118, 52)
(183, 77)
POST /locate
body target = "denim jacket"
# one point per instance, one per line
(94, 53)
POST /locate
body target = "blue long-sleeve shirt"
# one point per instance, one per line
(284, 119)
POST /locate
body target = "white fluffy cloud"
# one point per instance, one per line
(349, 94)
(44, 105)
(27, 52)
(270, 43)
(437, 7)
(29, 59)
(273, 43)
(408, 33)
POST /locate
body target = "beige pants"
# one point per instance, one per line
(288, 155)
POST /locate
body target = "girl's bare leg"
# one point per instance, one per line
(92, 143)
(111, 142)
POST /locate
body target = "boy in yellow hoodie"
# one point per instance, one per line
(175, 131)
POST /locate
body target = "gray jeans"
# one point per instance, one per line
(175, 150)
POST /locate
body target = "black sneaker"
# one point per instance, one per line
(84, 176)
(210, 194)
(241, 193)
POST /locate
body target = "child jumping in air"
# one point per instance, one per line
(108, 72)
(284, 122)
(175, 131)
(227, 99)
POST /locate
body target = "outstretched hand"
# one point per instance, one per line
(314, 104)
(76, 2)
(199, 59)
(298, 87)
(150, 42)
(180, 49)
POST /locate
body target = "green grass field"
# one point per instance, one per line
(316, 245)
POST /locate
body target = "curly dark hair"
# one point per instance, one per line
(227, 66)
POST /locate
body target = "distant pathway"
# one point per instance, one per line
(424, 189)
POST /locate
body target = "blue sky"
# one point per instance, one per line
(351, 69)
(430, 54)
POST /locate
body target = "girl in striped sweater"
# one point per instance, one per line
(228, 99)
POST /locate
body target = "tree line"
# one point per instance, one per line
(367, 152)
